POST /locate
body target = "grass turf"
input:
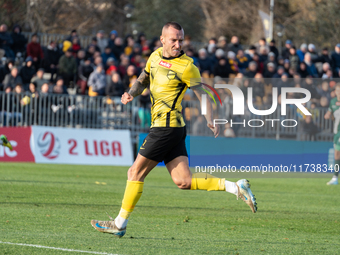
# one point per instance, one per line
(52, 205)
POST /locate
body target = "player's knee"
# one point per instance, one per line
(183, 183)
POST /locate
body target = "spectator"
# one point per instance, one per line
(118, 48)
(51, 59)
(94, 42)
(263, 55)
(286, 49)
(309, 85)
(19, 40)
(129, 77)
(34, 50)
(106, 55)
(270, 70)
(222, 68)
(101, 41)
(222, 44)
(129, 42)
(325, 67)
(336, 59)
(97, 82)
(32, 89)
(187, 44)
(232, 62)
(110, 63)
(6, 42)
(258, 88)
(67, 67)
(272, 48)
(75, 46)
(302, 51)
(311, 69)
(293, 58)
(312, 52)
(123, 65)
(211, 48)
(114, 87)
(84, 70)
(45, 89)
(39, 79)
(59, 87)
(27, 72)
(262, 43)
(279, 73)
(324, 57)
(12, 79)
(309, 129)
(242, 61)
(204, 62)
(271, 59)
(286, 66)
(81, 56)
(260, 65)
(111, 41)
(302, 70)
(324, 91)
(91, 49)
(73, 34)
(252, 70)
(234, 44)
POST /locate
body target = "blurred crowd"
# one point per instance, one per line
(110, 64)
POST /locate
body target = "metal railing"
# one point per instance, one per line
(77, 111)
(45, 39)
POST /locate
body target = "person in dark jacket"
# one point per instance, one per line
(12, 79)
(6, 41)
(114, 87)
(51, 59)
(222, 68)
(27, 72)
(19, 40)
(67, 67)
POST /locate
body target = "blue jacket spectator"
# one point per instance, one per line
(97, 80)
(302, 51)
(336, 58)
(311, 69)
(205, 63)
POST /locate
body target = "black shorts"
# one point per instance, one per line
(164, 143)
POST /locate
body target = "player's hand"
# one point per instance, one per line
(327, 115)
(126, 97)
(216, 129)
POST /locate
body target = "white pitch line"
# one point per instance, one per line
(56, 248)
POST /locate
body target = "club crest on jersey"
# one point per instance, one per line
(171, 75)
(165, 64)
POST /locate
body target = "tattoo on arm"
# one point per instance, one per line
(141, 83)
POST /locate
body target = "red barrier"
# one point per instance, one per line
(20, 140)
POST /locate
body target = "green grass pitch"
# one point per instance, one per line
(52, 205)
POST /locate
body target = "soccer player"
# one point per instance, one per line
(334, 108)
(167, 74)
(5, 142)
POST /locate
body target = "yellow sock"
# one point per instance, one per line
(208, 182)
(133, 192)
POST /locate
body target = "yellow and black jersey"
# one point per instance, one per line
(169, 79)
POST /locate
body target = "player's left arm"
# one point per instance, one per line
(192, 78)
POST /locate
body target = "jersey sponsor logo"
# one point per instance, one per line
(49, 145)
(165, 64)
